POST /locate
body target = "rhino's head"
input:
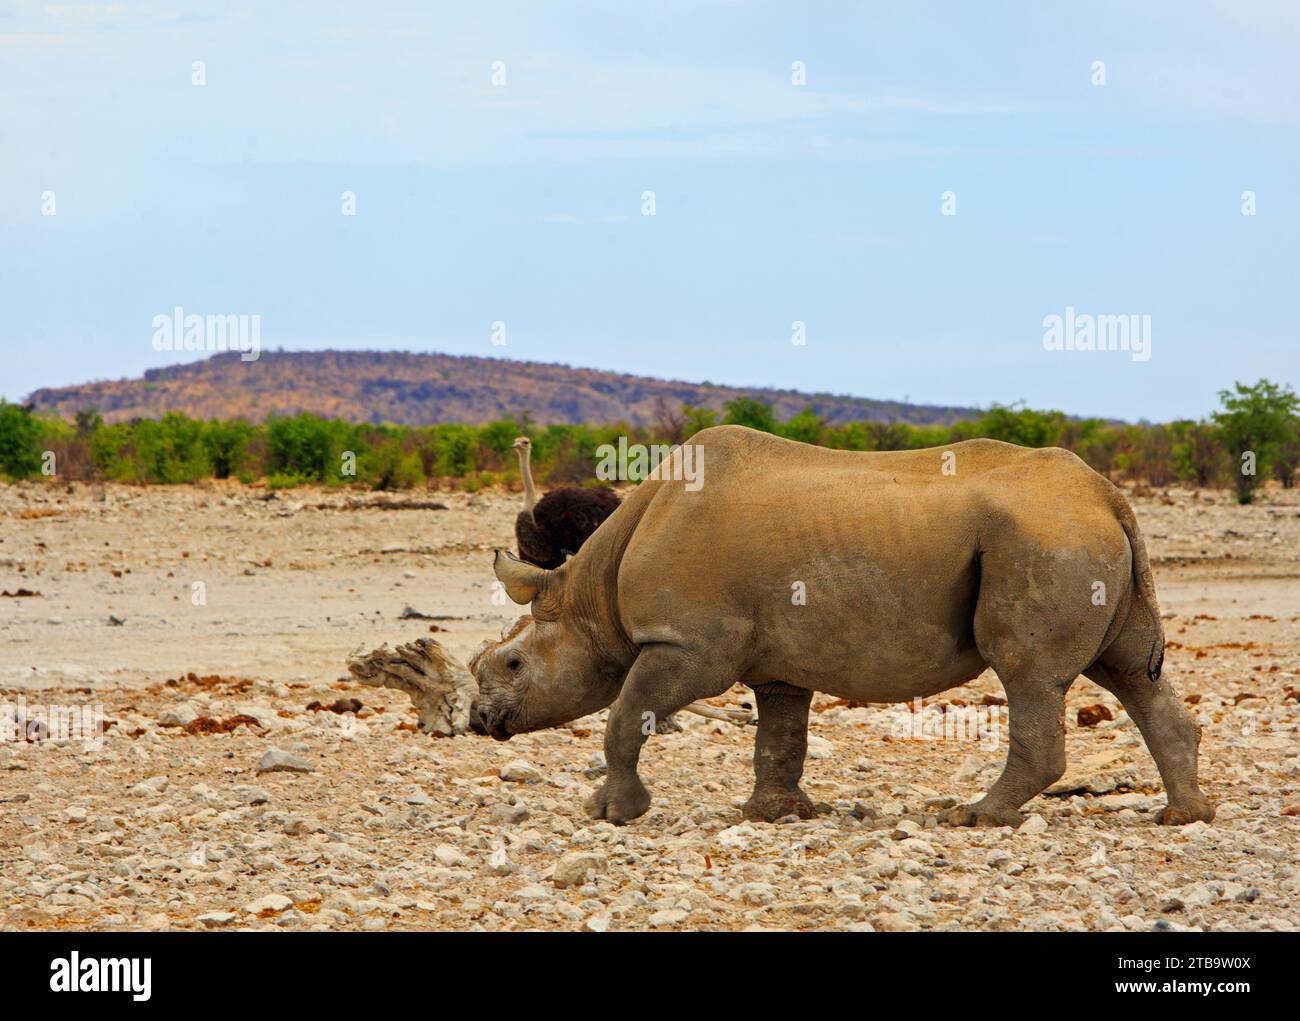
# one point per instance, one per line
(547, 669)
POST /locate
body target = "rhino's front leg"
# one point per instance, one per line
(662, 680)
(779, 749)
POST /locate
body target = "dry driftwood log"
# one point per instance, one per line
(441, 689)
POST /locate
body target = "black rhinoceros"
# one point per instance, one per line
(915, 570)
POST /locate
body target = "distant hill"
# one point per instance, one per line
(420, 389)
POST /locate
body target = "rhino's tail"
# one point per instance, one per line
(1145, 586)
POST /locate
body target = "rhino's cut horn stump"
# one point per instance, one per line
(441, 690)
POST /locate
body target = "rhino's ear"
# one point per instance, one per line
(522, 581)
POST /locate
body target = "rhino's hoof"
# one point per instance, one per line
(981, 815)
(619, 804)
(1186, 812)
(773, 804)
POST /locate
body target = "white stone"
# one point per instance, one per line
(737, 837)
(520, 771)
(757, 894)
(1034, 825)
(216, 919)
(177, 716)
(154, 785)
(573, 868)
(271, 902)
(277, 761)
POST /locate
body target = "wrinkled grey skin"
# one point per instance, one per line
(916, 579)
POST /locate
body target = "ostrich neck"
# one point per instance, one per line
(530, 494)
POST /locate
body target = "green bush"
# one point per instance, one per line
(1019, 425)
(308, 446)
(20, 431)
(455, 446)
(227, 446)
(286, 480)
(165, 450)
(806, 427)
(1255, 424)
(499, 437)
(388, 466)
(752, 413)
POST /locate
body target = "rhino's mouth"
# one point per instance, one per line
(495, 722)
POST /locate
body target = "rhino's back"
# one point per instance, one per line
(738, 453)
(743, 470)
(765, 507)
(754, 489)
(842, 549)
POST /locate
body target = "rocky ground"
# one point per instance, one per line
(236, 784)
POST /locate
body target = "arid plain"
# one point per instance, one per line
(231, 605)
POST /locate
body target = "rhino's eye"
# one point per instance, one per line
(514, 663)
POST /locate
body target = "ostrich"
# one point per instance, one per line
(552, 529)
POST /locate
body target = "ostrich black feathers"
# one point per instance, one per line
(560, 522)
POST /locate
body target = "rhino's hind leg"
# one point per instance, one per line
(1171, 734)
(1038, 627)
(1035, 759)
(779, 749)
(663, 679)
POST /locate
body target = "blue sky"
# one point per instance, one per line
(774, 202)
